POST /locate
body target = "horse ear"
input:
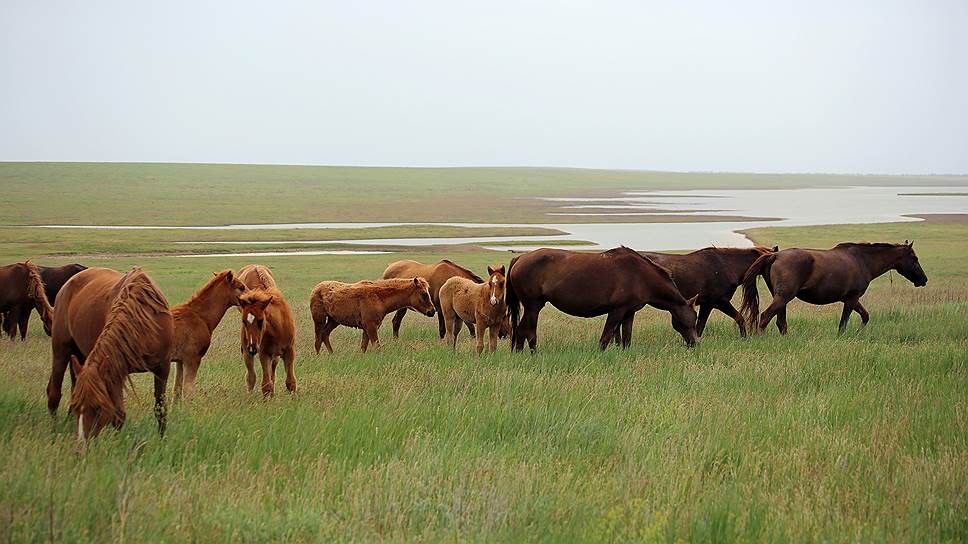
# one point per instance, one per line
(911, 244)
(692, 301)
(906, 243)
(229, 277)
(776, 248)
(416, 282)
(76, 366)
(501, 270)
(268, 302)
(490, 271)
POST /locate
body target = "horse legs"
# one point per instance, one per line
(372, 334)
(161, 384)
(23, 321)
(779, 303)
(397, 320)
(454, 324)
(626, 330)
(862, 312)
(289, 360)
(471, 328)
(191, 370)
(325, 332)
(844, 317)
(727, 308)
(441, 326)
(614, 319)
(528, 327)
(249, 370)
(179, 379)
(60, 363)
(268, 376)
(781, 320)
(704, 311)
(480, 330)
(492, 337)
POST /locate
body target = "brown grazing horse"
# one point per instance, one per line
(819, 276)
(465, 301)
(268, 329)
(617, 282)
(713, 273)
(22, 287)
(116, 324)
(436, 275)
(363, 305)
(195, 321)
(53, 278)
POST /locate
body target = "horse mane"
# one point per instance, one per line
(117, 350)
(212, 283)
(867, 245)
(35, 289)
(473, 276)
(264, 277)
(254, 296)
(661, 269)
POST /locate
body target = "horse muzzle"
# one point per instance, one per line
(430, 312)
(252, 349)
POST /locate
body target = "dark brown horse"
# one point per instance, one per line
(713, 273)
(195, 321)
(617, 282)
(22, 287)
(54, 277)
(116, 325)
(436, 275)
(268, 329)
(825, 276)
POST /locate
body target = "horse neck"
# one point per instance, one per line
(210, 304)
(663, 292)
(396, 298)
(877, 260)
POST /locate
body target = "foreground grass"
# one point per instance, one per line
(808, 437)
(199, 194)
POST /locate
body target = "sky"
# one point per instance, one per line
(743, 86)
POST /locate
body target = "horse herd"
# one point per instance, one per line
(105, 325)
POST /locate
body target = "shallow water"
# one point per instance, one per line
(796, 207)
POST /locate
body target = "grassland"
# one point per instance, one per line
(810, 437)
(194, 194)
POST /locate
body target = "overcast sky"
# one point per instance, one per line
(812, 86)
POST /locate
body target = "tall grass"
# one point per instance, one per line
(813, 436)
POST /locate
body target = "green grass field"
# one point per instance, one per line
(810, 437)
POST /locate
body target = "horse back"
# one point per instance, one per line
(83, 306)
(256, 276)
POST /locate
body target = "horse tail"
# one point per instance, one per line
(36, 292)
(512, 301)
(751, 296)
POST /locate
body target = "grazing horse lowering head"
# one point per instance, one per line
(253, 305)
(420, 297)
(909, 267)
(92, 402)
(684, 319)
(495, 284)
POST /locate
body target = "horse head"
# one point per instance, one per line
(495, 284)
(420, 297)
(253, 305)
(684, 320)
(908, 266)
(91, 401)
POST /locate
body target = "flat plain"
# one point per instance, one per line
(808, 437)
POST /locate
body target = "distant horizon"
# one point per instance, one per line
(508, 167)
